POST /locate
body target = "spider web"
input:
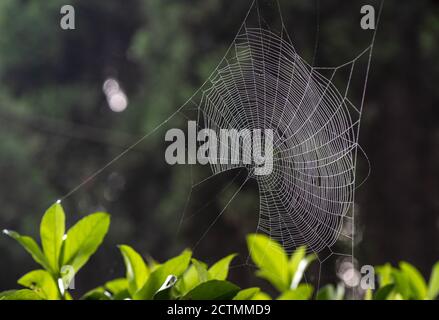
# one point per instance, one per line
(263, 83)
(267, 85)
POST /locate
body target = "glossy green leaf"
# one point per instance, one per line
(193, 276)
(220, 270)
(302, 292)
(118, 289)
(166, 294)
(295, 259)
(167, 291)
(84, 238)
(97, 294)
(42, 283)
(261, 296)
(24, 294)
(31, 247)
(300, 270)
(201, 268)
(52, 230)
(136, 270)
(433, 284)
(416, 281)
(116, 286)
(122, 295)
(188, 280)
(176, 267)
(213, 290)
(271, 259)
(247, 294)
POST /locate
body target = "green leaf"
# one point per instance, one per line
(302, 292)
(384, 292)
(416, 280)
(295, 259)
(271, 259)
(433, 284)
(5, 293)
(152, 264)
(42, 283)
(193, 276)
(187, 281)
(402, 283)
(300, 270)
(220, 270)
(122, 295)
(167, 291)
(24, 294)
(31, 247)
(261, 296)
(84, 238)
(247, 294)
(176, 267)
(201, 268)
(98, 293)
(136, 270)
(213, 290)
(166, 294)
(118, 289)
(52, 230)
(117, 285)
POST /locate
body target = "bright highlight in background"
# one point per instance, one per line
(116, 98)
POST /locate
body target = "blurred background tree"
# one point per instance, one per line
(57, 126)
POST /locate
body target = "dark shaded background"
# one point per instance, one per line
(56, 127)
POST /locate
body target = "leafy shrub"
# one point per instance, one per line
(62, 255)
(406, 283)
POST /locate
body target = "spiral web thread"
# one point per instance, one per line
(263, 83)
